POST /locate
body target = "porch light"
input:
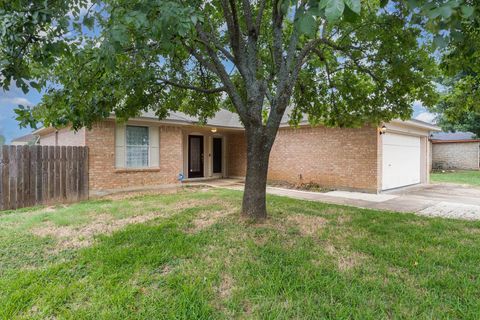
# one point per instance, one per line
(214, 130)
(383, 129)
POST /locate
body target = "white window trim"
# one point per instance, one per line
(148, 148)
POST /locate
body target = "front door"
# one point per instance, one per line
(195, 156)
(217, 155)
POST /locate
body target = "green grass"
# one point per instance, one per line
(471, 177)
(195, 258)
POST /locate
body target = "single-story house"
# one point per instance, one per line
(28, 139)
(458, 150)
(147, 151)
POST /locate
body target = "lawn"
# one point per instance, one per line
(471, 177)
(190, 256)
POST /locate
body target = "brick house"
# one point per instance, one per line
(459, 151)
(146, 151)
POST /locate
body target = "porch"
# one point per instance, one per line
(212, 153)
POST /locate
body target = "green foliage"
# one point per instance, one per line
(341, 63)
(453, 113)
(445, 15)
(456, 26)
(2, 140)
(34, 34)
(334, 9)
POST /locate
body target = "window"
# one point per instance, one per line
(137, 147)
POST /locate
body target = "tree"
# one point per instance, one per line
(338, 62)
(2, 140)
(454, 116)
(459, 108)
(456, 28)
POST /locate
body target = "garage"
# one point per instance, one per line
(401, 160)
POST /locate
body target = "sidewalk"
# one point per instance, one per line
(438, 200)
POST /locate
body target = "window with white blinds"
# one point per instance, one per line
(137, 147)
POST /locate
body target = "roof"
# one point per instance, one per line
(418, 124)
(223, 118)
(453, 136)
(26, 138)
(455, 141)
(227, 119)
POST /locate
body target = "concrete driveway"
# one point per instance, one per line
(436, 200)
(442, 200)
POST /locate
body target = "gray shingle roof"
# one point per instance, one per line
(447, 136)
(26, 138)
(223, 118)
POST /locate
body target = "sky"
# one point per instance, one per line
(9, 100)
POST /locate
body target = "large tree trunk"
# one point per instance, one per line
(254, 204)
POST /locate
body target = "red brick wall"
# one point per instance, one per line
(342, 158)
(236, 155)
(103, 174)
(333, 157)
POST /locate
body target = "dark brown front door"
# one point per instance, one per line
(195, 156)
(217, 155)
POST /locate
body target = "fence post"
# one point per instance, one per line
(38, 175)
(25, 165)
(45, 174)
(33, 175)
(63, 172)
(51, 172)
(12, 155)
(69, 171)
(57, 173)
(4, 185)
(85, 178)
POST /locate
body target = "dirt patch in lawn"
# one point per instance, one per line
(308, 225)
(134, 194)
(224, 292)
(70, 237)
(346, 260)
(226, 286)
(207, 218)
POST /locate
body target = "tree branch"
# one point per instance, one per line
(247, 10)
(261, 9)
(233, 30)
(194, 88)
(206, 35)
(215, 65)
(277, 22)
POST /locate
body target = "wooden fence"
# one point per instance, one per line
(32, 175)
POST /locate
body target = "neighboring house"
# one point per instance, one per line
(146, 151)
(459, 150)
(61, 137)
(28, 139)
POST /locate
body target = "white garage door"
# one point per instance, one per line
(401, 161)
